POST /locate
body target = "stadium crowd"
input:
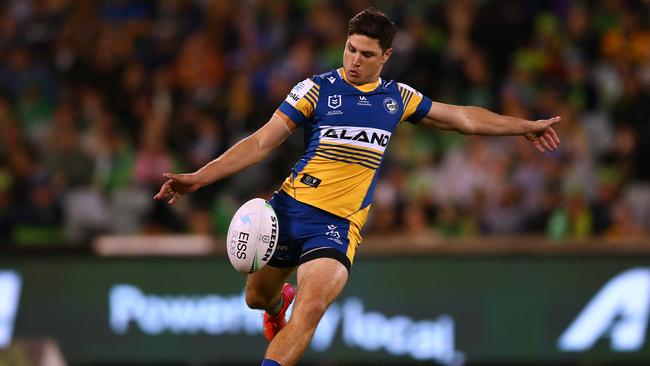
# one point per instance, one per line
(98, 98)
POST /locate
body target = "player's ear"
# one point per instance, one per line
(387, 54)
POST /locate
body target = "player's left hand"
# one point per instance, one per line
(544, 137)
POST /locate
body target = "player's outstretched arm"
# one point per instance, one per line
(245, 153)
(480, 121)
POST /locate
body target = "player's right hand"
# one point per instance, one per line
(176, 186)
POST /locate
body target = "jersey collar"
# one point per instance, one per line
(365, 87)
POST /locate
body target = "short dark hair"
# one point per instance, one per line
(374, 24)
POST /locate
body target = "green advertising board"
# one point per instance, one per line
(448, 310)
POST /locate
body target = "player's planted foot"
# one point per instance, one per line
(273, 323)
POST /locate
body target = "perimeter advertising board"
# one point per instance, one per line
(439, 310)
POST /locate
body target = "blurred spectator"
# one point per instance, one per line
(573, 219)
(624, 225)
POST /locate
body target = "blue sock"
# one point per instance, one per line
(268, 362)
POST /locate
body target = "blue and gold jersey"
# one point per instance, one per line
(346, 129)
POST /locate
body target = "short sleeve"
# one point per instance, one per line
(301, 101)
(416, 105)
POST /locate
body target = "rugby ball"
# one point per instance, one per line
(252, 236)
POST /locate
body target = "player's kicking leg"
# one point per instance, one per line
(267, 290)
(320, 281)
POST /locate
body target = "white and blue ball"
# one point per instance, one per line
(252, 236)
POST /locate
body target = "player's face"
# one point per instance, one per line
(363, 59)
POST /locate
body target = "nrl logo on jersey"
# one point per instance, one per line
(334, 101)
